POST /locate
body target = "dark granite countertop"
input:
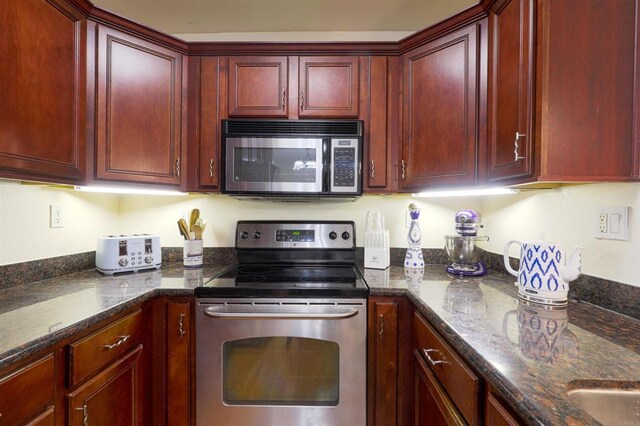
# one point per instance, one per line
(531, 356)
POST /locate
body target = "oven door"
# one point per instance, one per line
(274, 165)
(281, 362)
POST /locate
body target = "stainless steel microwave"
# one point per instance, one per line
(292, 158)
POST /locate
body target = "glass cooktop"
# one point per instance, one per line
(271, 280)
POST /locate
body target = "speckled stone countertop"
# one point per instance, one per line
(533, 356)
(36, 315)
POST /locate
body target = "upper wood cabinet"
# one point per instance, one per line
(258, 86)
(139, 110)
(42, 86)
(440, 111)
(510, 144)
(561, 100)
(292, 87)
(328, 86)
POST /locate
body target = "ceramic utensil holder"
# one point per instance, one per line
(193, 254)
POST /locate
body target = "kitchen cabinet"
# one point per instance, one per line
(445, 387)
(561, 100)
(258, 86)
(113, 397)
(36, 380)
(497, 413)
(178, 397)
(387, 368)
(440, 124)
(139, 110)
(203, 121)
(293, 87)
(43, 85)
(380, 168)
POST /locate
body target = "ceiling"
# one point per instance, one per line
(287, 20)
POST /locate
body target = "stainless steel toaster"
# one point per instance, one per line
(125, 253)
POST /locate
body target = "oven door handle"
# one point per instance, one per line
(213, 313)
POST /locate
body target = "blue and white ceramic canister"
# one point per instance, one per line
(544, 273)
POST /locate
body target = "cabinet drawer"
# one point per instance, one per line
(35, 380)
(462, 385)
(89, 355)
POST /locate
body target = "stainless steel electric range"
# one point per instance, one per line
(281, 336)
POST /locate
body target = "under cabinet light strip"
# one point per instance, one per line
(122, 190)
(465, 192)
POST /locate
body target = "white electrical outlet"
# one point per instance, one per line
(612, 223)
(55, 216)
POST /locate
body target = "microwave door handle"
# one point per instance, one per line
(326, 165)
(212, 313)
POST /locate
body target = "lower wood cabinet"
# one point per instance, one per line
(178, 395)
(113, 397)
(497, 413)
(28, 393)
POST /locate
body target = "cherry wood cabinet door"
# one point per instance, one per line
(380, 168)
(383, 361)
(440, 108)
(208, 140)
(328, 86)
(111, 398)
(139, 110)
(178, 398)
(432, 406)
(498, 414)
(257, 86)
(510, 92)
(42, 87)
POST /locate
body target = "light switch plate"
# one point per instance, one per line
(612, 223)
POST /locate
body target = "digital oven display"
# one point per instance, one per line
(294, 235)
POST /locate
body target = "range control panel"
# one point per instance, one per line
(295, 235)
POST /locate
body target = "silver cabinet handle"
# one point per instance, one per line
(301, 100)
(178, 167)
(213, 313)
(284, 94)
(381, 332)
(181, 325)
(404, 169)
(85, 415)
(515, 149)
(431, 360)
(120, 341)
(373, 169)
(211, 168)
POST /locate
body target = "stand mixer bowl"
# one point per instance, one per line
(463, 252)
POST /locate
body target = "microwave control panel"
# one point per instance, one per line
(344, 160)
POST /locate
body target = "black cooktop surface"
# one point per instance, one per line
(269, 280)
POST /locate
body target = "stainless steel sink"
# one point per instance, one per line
(609, 406)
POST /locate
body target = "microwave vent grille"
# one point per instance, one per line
(290, 127)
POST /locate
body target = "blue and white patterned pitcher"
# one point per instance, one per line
(543, 276)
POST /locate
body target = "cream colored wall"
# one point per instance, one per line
(566, 217)
(24, 221)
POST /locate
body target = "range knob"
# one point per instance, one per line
(244, 235)
(123, 262)
(148, 259)
(333, 235)
(346, 235)
(257, 235)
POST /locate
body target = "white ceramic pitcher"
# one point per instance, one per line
(543, 276)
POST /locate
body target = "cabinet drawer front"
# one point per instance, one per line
(47, 418)
(35, 380)
(462, 385)
(89, 355)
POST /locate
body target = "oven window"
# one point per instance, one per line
(297, 165)
(280, 371)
